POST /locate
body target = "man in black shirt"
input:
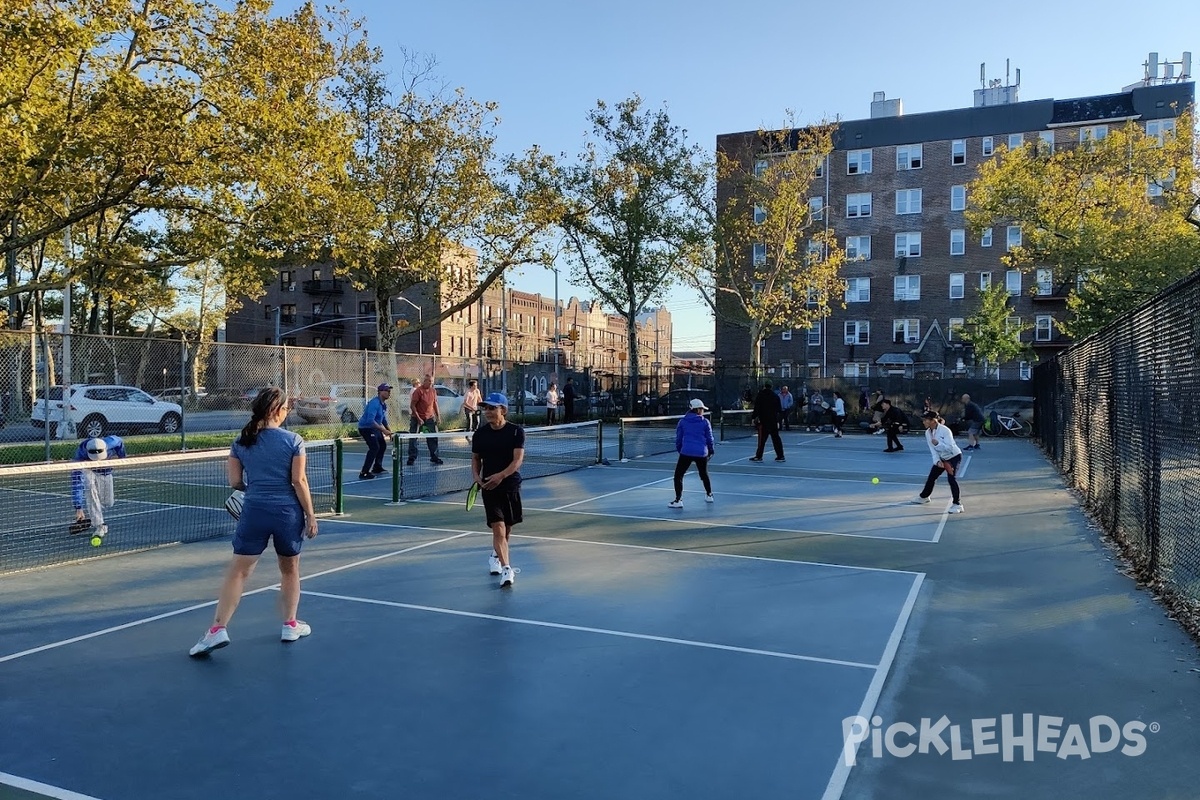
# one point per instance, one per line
(891, 421)
(767, 409)
(497, 452)
(568, 398)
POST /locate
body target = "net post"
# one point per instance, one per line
(722, 424)
(600, 442)
(621, 440)
(395, 468)
(338, 498)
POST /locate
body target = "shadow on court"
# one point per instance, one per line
(710, 652)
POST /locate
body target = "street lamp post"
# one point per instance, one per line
(556, 341)
(420, 323)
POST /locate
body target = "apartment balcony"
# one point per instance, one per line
(1057, 341)
(1051, 294)
(326, 322)
(324, 287)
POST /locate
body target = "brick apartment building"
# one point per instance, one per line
(311, 308)
(894, 191)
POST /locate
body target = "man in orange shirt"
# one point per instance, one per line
(423, 411)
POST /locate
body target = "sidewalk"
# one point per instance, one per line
(1024, 612)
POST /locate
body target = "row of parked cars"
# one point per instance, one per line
(344, 402)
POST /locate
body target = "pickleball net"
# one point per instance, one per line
(639, 437)
(158, 500)
(548, 451)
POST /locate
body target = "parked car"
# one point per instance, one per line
(1010, 406)
(331, 402)
(530, 399)
(177, 394)
(449, 403)
(678, 401)
(99, 410)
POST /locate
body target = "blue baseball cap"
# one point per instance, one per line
(496, 399)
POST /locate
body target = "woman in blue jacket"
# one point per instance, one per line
(694, 442)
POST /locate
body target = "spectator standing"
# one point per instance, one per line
(973, 416)
(891, 421)
(816, 410)
(471, 401)
(839, 414)
(694, 443)
(423, 411)
(552, 403)
(268, 463)
(374, 430)
(787, 401)
(863, 401)
(766, 419)
(946, 458)
(569, 401)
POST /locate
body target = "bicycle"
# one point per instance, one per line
(1000, 425)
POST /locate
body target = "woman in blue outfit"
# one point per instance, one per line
(268, 464)
(694, 442)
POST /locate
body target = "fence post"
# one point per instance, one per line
(338, 475)
(183, 384)
(621, 439)
(397, 484)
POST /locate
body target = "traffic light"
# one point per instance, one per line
(401, 323)
(573, 334)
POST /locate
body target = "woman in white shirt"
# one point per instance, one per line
(946, 458)
(839, 414)
(552, 404)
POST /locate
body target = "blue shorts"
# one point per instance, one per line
(282, 524)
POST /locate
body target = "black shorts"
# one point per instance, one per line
(503, 504)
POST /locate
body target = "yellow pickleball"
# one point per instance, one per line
(874, 480)
(97, 541)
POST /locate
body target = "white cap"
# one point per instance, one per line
(698, 403)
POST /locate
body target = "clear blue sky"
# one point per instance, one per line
(727, 67)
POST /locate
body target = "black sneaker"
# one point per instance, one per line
(365, 476)
(412, 461)
(379, 471)
(781, 458)
(756, 458)
(437, 461)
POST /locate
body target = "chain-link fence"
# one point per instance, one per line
(1117, 412)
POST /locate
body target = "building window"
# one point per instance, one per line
(908, 244)
(858, 205)
(1092, 134)
(858, 290)
(958, 242)
(858, 248)
(785, 369)
(760, 167)
(1043, 328)
(786, 335)
(366, 307)
(1156, 187)
(1046, 143)
(908, 201)
(954, 329)
(957, 284)
(1016, 141)
(760, 215)
(988, 146)
(816, 205)
(858, 331)
(286, 278)
(958, 198)
(985, 281)
(906, 287)
(814, 334)
(855, 369)
(338, 341)
(1045, 282)
(1013, 325)
(819, 168)
(986, 239)
(760, 254)
(958, 152)
(1026, 371)
(1014, 237)
(1160, 129)
(288, 341)
(908, 157)
(906, 331)
(858, 162)
(1012, 282)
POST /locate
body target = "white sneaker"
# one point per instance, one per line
(708, 498)
(211, 640)
(675, 504)
(291, 633)
(955, 508)
(508, 576)
(493, 564)
(878, 432)
(918, 500)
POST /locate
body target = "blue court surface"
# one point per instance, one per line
(633, 657)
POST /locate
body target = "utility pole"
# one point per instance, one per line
(10, 273)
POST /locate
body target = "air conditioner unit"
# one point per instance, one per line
(851, 340)
(291, 287)
(912, 339)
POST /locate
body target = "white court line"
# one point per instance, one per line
(610, 494)
(603, 631)
(188, 609)
(769, 473)
(41, 788)
(837, 781)
(966, 462)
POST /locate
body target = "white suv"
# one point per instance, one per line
(100, 410)
(333, 402)
(449, 402)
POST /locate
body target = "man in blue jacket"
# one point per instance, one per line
(373, 427)
(693, 442)
(92, 489)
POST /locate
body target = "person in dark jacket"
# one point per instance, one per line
(973, 416)
(891, 421)
(694, 442)
(766, 418)
(568, 398)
